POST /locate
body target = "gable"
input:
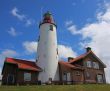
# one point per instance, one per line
(21, 64)
(97, 59)
(9, 67)
(92, 57)
(85, 55)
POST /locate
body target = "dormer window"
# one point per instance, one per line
(51, 27)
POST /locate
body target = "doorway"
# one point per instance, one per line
(10, 79)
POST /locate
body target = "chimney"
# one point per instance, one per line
(70, 58)
(88, 49)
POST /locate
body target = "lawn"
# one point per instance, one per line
(57, 88)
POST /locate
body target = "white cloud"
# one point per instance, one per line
(12, 31)
(105, 15)
(98, 32)
(22, 17)
(8, 53)
(15, 12)
(30, 46)
(73, 29)
(29, 22)
(65, 51)
(68, 23)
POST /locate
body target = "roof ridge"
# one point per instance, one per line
(16, 59)
(24, 64)
(80, 56)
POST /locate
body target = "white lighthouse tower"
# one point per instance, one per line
(47, 50)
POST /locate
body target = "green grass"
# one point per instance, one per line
(91, 87)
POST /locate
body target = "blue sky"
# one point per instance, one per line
(80, 23)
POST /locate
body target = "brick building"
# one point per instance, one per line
(17, 71)
(86, 68)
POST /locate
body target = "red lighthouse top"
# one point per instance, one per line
(47, 18)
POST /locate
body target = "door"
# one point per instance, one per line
(10, 79)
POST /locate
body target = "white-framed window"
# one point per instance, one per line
(89, 64)
(27, 76)
(95, 65)
(51, 27)
(64, 76)
(100, 78)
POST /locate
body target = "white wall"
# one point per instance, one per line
(47, 53)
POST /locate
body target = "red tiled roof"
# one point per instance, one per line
(23, 64)
(83, 56)
(80, 57)
(67, 64)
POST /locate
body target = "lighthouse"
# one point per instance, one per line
(47, 50)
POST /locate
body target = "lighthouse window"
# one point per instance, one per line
(51, 27)
(57, 51)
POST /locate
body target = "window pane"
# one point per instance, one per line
(89, 64)
(100, 78)
(95, 65)
(64, 76)
(27, 76)
(51, 27)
